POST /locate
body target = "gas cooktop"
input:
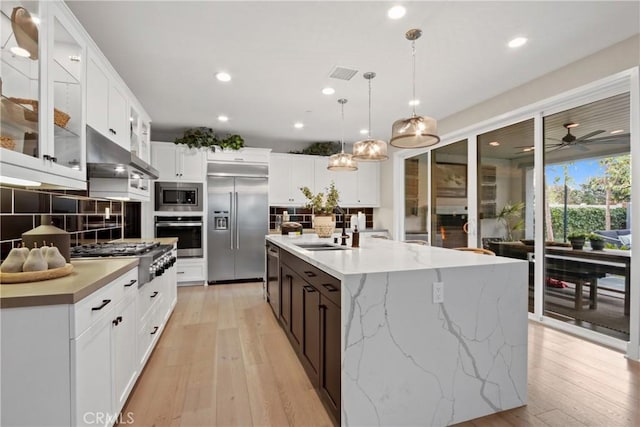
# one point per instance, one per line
(112, 249)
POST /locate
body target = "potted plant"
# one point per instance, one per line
(596, 241)
(323, 208)
(204, 137)
(511, 217)
(577, 239)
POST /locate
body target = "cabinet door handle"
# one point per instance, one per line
(154, 294)
(130, 283)
(309, 288)
(155, 329)
(329, 287)
(310, 274)
(115, 322)
(119, 319)
(46, 157)
(104, 303)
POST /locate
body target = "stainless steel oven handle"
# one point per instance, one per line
(178, 224)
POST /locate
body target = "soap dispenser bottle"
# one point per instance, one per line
(355, 238)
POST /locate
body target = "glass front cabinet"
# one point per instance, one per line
(42, 84)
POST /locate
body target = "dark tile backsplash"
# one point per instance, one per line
(31, 202)
(303, 216)
(84, 218)
(6, 200)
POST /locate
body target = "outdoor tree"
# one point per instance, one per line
(616, 183)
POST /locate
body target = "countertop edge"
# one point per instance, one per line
(71, 297)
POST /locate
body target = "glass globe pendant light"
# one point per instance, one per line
(416, 131)
(370, 149)
(342, 161)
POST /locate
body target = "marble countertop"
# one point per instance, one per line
(381, 256)
(88, 276)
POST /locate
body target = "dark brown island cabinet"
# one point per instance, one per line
(306, 301)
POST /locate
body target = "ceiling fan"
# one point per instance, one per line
(581, 143)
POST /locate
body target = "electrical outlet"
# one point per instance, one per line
(438, 292)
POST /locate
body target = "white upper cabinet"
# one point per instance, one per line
(368, 179)
(176, 163)
(42, 120)
(287, 173)
(106, 102)
(358, 188)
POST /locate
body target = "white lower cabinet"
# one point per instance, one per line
(125, 364)
(190, 270)
(92, 372)
(76, 365)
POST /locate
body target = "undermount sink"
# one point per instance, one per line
(320, 247)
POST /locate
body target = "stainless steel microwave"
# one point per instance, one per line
(178, 196)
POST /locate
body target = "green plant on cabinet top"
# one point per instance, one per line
(204, 137)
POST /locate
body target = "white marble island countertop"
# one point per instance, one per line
(382, 256)
(409, 359)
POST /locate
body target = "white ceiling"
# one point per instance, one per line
(280, 55)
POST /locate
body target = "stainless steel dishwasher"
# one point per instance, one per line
(273, 278)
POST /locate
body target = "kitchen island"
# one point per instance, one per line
(405, 359)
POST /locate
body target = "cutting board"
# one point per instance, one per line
(35, 276)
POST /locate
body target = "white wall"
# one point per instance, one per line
(616, 58)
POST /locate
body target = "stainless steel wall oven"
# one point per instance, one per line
(178, 196)
(188, 230)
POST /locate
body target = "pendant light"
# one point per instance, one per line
(416, 131)
(342, 161)
(370, 149)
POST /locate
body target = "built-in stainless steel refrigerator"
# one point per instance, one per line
(238, 220)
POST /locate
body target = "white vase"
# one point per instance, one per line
(324, 224)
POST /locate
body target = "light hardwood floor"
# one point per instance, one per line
(224, 361)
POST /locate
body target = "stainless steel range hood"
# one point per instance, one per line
(106, 159)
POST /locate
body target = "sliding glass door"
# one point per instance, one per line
(449, 195)
(587, 166)
(506, 193)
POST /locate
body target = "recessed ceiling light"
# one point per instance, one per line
(18, 51)
(222, 118)
(615, 132)
(119, 169)
(223, 77)
(364, 131)
(494, 143)
(414, 102)
(328, 91)
(396, 12)
(517, 42)
(136, 176)
(298, 125)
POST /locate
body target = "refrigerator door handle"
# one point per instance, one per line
(236, 225)
(231, 219)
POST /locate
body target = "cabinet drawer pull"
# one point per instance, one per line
(154, 294)
(130, 283)
(329, 287)
(54, 159)
(115, 322)
(104, 303)
(155, 329)
(310, 274)
(309, 288)
(180, 272)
